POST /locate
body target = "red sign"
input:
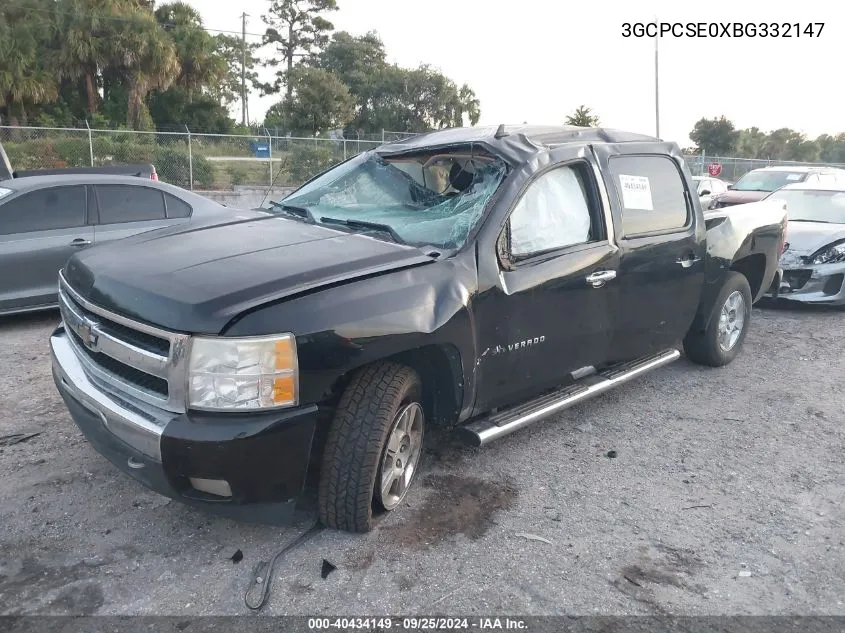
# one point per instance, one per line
(714, 169)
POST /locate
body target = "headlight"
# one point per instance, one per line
(251, 373)
(830, 255)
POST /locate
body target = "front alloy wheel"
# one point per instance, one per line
(374, 447)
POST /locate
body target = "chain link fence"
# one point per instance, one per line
(194, 161)
(735, 168)
(221, 162)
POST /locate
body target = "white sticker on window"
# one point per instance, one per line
(793, 176)
(636, 192)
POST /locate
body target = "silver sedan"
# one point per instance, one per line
(813, 260)
(45, 219)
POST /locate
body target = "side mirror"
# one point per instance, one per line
(730, 186)
(705, 192)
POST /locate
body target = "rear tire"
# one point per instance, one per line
(719, 344)
(374, 447)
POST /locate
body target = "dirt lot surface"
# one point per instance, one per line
(725, 496)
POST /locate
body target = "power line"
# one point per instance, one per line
(112, 18)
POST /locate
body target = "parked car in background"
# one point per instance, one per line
(477, 278)
(140, 170)
(46, 219)
(813, 260)
(707, 187)
(757, 184)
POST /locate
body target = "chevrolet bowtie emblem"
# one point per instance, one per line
(87, 335)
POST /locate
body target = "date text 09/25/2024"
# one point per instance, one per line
(722, 29)
(417, 624)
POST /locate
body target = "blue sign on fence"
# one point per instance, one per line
(260, 149)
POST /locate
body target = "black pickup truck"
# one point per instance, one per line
(478, 278)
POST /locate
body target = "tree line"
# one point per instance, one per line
(719, 137)
(132, 64)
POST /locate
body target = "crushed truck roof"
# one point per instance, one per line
(514, 143)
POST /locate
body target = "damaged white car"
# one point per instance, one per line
(813, 261)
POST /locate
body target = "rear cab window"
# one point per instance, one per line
(652, 195)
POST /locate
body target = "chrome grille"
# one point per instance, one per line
(125, 356)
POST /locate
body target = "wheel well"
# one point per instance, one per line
(753, 267)
(441, 372)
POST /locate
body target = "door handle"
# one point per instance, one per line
(688, 261)
(80, 242)
(600, 277)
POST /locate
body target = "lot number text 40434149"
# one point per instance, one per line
(722, 29)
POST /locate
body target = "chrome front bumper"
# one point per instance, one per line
(140, 428)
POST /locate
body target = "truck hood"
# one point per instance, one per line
(805, 238)
(731, 197)
(197, 279)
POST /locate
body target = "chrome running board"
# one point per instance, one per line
(491, 427)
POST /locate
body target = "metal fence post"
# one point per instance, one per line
(190, 159)
(382, 136)
(90, 142)
(270, 147)
(344, 148)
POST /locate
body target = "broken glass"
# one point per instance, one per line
(370, 189)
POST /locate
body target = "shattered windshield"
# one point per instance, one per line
(430, 200)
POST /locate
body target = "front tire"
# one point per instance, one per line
(719, 344)
(373, 448)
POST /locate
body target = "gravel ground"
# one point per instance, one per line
(725, 497)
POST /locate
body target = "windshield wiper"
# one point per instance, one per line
(301, 212)
(361, 224)
(806, 220)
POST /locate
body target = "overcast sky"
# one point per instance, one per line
(537, 60)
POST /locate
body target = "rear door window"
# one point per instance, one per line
(652, 194)
(44, 210)
(128, 203)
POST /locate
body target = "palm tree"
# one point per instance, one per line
(470, 105)
(147, 59)
(582, 117)
(200, 65)
(87, 35)
(25, 56)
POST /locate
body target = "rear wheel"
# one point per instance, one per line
(374, 447)
(719, 344)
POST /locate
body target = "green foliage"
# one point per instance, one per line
(307, 160)
(716, 137)
(174, 166)
(237, 174)
(26, 57)
(296, 28)
(74, 152)
(200, 114)
(320, 102)
(583, 117)
(388, 96)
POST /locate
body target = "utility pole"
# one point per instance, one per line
(244, 113)
(656, 81)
